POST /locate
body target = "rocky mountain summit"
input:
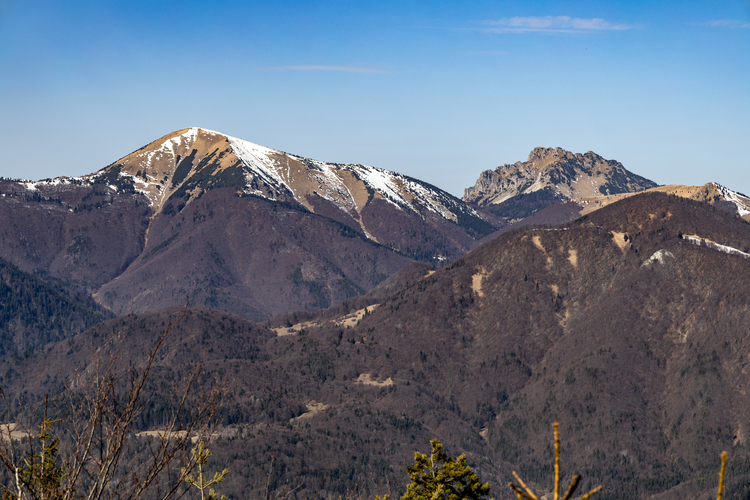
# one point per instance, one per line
(178, 168)
(549, 176)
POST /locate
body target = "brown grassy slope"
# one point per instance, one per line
(545, 207)
(708, 193)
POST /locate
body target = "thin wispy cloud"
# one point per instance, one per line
(320, 67)
(726, 23)
(491, 52)
(552, 24)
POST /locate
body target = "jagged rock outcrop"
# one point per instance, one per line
(551, 175)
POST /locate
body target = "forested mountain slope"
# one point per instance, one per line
(628, 326)
(33, 313)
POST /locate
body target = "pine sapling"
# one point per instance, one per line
(201, 482)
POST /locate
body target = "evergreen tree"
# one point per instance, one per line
(439, 476)
(202, 483)
(40, 477)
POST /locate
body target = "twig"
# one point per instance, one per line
(721, 475)
(556, 426)
(529, 494)
(572, 487)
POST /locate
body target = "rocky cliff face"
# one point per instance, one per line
(551, 175)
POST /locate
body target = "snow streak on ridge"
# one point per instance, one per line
(696, 240)
(741, 202)
(267, 164)
(257, 159)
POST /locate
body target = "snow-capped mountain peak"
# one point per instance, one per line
(177, 168)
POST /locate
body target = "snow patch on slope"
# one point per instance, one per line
(257, 159)
(381, 181)
(392, 187)
(697, 240)
(151, 186)
(56, 182)
(186, 139)
(330, 185)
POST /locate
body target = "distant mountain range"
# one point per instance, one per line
(258, 232)
(231, 224)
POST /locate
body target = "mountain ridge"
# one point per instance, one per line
(168, 167)
(712, 193)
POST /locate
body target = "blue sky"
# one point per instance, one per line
(436, 90)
